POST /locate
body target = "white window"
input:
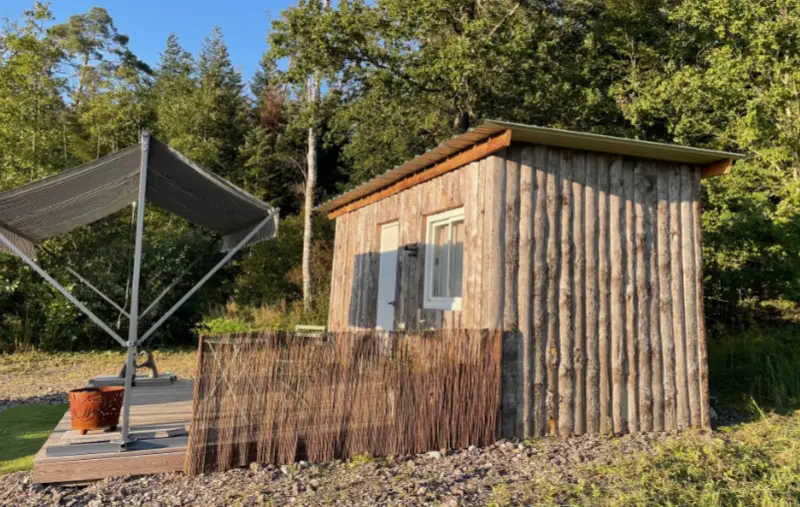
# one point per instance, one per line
(444, 260)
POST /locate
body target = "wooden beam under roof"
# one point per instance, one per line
(476, 152)
(717, 168)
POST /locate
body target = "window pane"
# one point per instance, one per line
(439, 261)
(456, 258)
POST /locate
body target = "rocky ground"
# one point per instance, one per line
(507, 473)
(43, 399)
(589, 470)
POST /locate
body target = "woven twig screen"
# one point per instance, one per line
(276, 397)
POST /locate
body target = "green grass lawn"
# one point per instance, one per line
(23, 431)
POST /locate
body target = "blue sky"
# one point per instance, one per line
(149, 22)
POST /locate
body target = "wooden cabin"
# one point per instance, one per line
(585, 249)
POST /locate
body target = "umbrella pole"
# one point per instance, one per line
(133, 329)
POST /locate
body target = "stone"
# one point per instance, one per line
(434, 454)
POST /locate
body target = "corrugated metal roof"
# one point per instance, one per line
(536, 135)
(611, 144)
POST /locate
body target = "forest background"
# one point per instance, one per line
(396, 77)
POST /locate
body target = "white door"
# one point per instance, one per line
(387, 275)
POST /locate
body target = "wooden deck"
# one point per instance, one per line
(155, 411)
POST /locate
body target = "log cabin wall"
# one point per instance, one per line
(591, 263)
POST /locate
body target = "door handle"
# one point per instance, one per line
(392, 303)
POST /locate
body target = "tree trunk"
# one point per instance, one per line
(311, 183)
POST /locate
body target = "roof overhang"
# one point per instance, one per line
(495, 135)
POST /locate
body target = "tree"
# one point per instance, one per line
(727, 78)
(220, 110)
(31, 103)
(94, 48)
(306, 71)
(314, 87)
(414, 73)
(174, 93)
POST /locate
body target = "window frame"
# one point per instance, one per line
(443, 218)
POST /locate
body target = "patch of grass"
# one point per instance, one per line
(755, 463)
(762, 362)
(360, 459)
(30, 373)
(23, 431)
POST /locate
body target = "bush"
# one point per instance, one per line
(762, 362)
(271, 271)
(284, 316)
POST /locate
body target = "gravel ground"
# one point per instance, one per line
(507, 473)
(504, 473)
(44, 399)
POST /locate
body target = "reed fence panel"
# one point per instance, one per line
(276, 397)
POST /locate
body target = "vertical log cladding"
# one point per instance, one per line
(688, 240)
(525, 303)
(678, 319)
(705, 417)
(642, 192)
(481, 249)
(631, 307)
(553, 233)
(472, 243)
(591, 349)
(665, 299)
(578, 291)
(604, 293)
(494, 239)
(651, 247)
(415, 239)
(594, 260)
(566, 307)
(617, 261)
(336, 274)
(358, 280)
(512, 375)
(541, 277)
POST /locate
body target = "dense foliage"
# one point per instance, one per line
(73, 91)
(398, 77)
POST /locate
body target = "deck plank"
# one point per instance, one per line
(163, 405)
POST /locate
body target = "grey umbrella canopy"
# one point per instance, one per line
(77, 197)
(149, 172)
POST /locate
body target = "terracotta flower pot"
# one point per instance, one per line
(93, 408)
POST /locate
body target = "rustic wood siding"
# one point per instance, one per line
(592, 264)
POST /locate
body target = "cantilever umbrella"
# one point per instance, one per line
(150, 172)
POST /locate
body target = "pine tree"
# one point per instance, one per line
(174, 93)
(220, 110)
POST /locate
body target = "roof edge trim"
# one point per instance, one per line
(712, 162)
(478, 151)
